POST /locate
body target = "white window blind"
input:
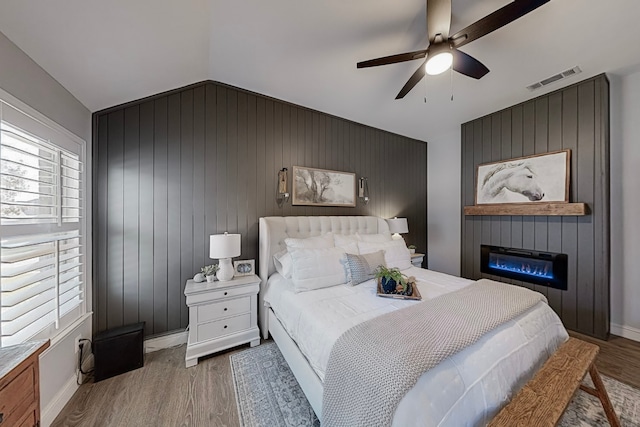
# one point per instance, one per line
(41, 238)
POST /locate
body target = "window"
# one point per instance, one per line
(42, 280)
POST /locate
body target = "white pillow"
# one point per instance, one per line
(377, 238)
(347, 242)
(396, 253)
(317, 268)
(316, 242)
(284, 264)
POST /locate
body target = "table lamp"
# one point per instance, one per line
(398, 226)
(223, 247)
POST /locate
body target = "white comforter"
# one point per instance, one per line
(466, 389)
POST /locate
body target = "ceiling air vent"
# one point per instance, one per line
(560, 76)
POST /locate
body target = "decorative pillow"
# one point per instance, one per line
(396, 253)
(316, 242)
(317, 268)
(361, 268)
(347, 242)
(283, 262)
(377, 238)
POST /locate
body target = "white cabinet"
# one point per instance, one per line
(221, 315)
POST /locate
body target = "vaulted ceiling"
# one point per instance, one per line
(110, 52)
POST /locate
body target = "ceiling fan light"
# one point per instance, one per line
(438, 63)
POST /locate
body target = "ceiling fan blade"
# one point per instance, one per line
(468, 65)
(438, 19)
(401, 57)
(413, 80)
(495, 20)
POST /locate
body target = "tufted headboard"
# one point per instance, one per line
(274, 229)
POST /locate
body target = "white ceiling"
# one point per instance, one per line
(110, 52)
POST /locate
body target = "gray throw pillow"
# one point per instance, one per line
(361, 268)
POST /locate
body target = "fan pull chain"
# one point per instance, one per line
(425, 88)
(451, 80)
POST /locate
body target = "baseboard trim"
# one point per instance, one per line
(165, 341)
(626, 332)
(52, 410)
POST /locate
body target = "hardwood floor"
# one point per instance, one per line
(162, 393)
(619, 358)
(165, 393)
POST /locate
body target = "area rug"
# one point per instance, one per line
(268, 395)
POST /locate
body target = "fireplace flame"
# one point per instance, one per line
(532, 268)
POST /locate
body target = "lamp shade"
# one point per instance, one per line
(224, 246)
(398, 225)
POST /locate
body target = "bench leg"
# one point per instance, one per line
(601, 393)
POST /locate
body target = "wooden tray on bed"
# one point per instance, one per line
(415, 295)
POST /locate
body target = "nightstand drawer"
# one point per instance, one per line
(232, 292)
(224, 308)
(223, 327)
(416, 259)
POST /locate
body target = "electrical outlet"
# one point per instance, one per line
(76, 346)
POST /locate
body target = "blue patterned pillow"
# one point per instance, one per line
(361, 268)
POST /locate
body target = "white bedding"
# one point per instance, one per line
(466, 389)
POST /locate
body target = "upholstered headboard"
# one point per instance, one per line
(274, 229)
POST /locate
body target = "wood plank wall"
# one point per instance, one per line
(172, 169)
(576, 117)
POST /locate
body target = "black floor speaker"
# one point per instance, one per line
(118, 350)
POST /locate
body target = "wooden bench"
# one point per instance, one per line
(543, 400)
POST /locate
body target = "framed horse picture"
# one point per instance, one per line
(538, 178)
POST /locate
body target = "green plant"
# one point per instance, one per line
(210, 270)
(411, 247)
(394, 274)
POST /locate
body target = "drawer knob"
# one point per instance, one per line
(225, 309)
(225, 326)
(225, 293)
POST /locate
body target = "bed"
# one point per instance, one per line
(468, 388)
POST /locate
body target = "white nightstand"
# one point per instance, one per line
(221, 315)
(416, 259)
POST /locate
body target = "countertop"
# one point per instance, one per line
(12, 356)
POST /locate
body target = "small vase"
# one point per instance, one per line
(412, 251)
(388, 285)
(409, 290)
(211, 279)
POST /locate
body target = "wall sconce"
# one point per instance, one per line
(281, 192)
(363, 190)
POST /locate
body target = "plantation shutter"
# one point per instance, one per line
(41, 238)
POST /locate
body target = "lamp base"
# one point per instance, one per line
(226, 270)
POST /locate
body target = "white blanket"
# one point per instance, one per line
(466, 389)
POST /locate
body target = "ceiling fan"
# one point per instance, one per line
(443, 52)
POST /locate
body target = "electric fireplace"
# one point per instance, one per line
(540, 268)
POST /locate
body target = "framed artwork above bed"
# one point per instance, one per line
(321, 187)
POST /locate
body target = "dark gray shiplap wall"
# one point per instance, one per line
(172, 169)
(576, 117)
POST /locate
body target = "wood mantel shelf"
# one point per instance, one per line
(546, 209)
